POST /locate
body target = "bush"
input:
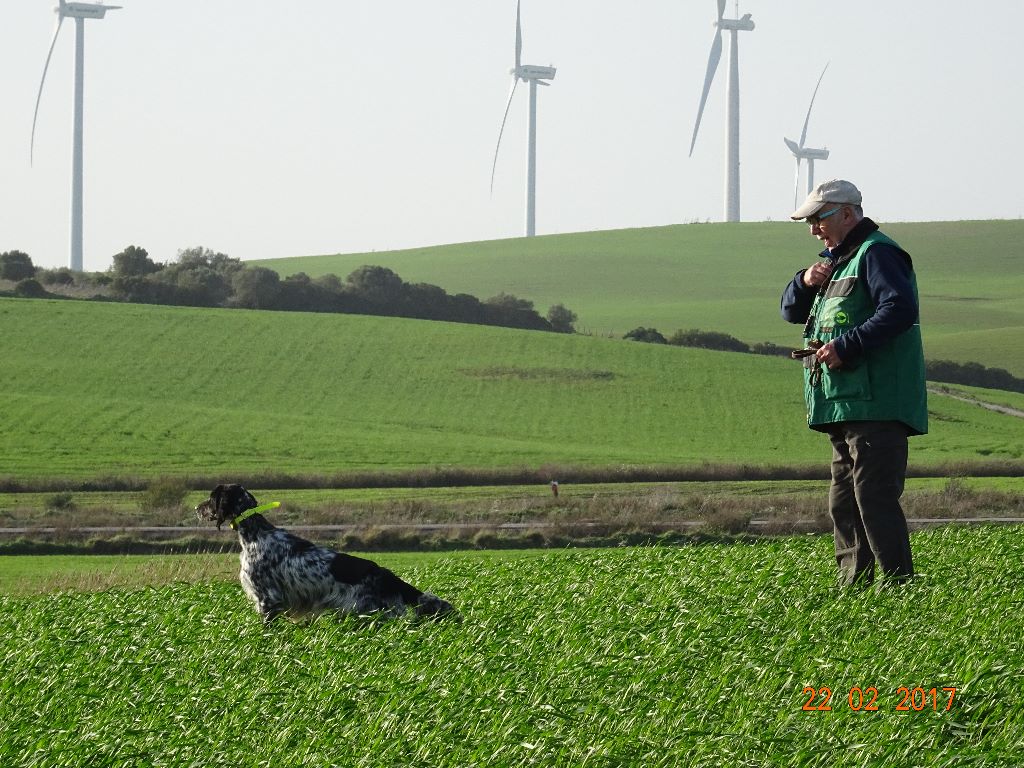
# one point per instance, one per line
(165, 493)
(708, 340)
(30, 288)
(973, 374)
(649, 335)
(769, 348)
(61, 276)
(58, 502)
(562, 319)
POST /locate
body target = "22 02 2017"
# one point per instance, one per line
(917, 699)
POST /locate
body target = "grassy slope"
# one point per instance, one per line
(93, 389)
(726, 277)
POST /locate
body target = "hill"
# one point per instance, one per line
(726, 278)
(98, 389)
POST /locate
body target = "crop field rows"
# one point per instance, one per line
(233, 393)
(703, 655)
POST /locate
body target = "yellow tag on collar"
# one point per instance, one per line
(255, 511)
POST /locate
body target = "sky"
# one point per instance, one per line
(270, 129)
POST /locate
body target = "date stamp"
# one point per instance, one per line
(868, 699)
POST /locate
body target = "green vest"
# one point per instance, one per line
(886, 383)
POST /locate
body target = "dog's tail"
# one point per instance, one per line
(432, 606)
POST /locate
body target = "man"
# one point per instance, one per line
(864, 378)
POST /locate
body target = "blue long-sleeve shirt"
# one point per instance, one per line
(887, 273)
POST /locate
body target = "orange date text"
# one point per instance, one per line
(868, 699)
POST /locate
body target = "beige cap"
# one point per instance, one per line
(834, 191)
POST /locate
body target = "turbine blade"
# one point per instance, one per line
(721, 9)
(803, 136)
(793, 147)
(716, 55)
(519, 38)
(39, 96)
(508, 104)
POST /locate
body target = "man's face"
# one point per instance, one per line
(832, 224)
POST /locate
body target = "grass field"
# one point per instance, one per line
(726, 278)
(25, 575)
(701, 656)
(94, 390)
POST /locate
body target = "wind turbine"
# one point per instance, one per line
(79, 12)
(800, 152)
(534, 75)
(732, 117)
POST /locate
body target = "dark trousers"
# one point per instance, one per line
(869, 465)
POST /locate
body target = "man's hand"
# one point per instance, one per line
(828, 357)
(817, 274)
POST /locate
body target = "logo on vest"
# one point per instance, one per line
(841, 318)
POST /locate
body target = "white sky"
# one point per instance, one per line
(266, 129)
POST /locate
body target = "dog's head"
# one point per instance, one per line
(226, 502)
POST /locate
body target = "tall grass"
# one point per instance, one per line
(659, 657)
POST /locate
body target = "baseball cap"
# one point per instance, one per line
(834, 191)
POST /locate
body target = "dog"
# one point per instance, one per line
(284, 574)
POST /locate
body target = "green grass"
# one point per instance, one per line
(93, 390)
(22, 575)
(694, 656)
(726, 278)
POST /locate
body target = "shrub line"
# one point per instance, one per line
(450, 477)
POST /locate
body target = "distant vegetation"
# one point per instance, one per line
(974, 375)
(202, 278)
(945, 371)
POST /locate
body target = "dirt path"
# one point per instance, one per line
(974, 401)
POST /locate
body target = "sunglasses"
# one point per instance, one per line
(813, 221)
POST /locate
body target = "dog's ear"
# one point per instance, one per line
(248, 501)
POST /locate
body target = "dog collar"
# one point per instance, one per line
(254, 511)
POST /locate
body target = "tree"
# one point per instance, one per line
(16, 265)
(330, 282)
(200, 277)
(508, 302)
(256, 287)
(513, 312)
(134, 261)
(199, 257)
(562, 319)
(376, 284)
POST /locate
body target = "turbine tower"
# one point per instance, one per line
(79, 12)
(732, 117)
(800, 152)
(534, 75)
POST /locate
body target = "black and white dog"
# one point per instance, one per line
(285, 574)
